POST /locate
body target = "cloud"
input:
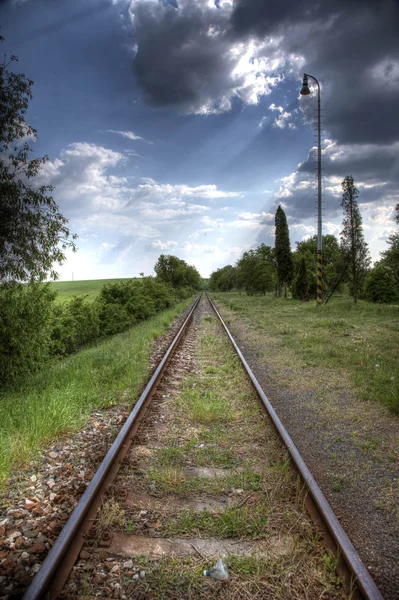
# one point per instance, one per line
(127, 134)
(198, 56)
(186, 57)
(282, 121)
(167, 245)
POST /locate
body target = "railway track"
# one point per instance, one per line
(202, 468)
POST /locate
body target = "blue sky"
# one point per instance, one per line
(176, 127)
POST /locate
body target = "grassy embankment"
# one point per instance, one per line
(59, 399)
(67, 289)
(360, 342)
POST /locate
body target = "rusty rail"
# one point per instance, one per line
(51, 577)
(319, 508)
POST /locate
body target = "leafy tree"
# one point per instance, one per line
(33, 233)
(285, 265)
(223, 280)
(354, 248)
(177, 272)
(256, 270)
(332, 260)
(390, 257)
(380, 285)
(301, 284)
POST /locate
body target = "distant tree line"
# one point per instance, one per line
(278, 269)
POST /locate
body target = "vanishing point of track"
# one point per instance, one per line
(50, 580)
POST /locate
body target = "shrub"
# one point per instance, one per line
(25, 332)
(74, 324)
(380, 285)
(122, 304)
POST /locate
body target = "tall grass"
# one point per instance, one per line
(361, 341)
(59, 399)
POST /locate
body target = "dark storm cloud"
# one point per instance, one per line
(177, 63)
(351, 47)
(371, 163)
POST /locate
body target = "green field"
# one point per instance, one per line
(360, 342)
(67, 289)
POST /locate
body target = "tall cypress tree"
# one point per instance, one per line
(354, 248)
(285, 264)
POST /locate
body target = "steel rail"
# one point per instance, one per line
(42, 581)
(361, 575)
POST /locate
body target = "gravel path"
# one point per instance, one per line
(351, 447)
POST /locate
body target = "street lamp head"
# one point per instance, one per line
(305, 91)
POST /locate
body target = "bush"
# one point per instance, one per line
(25, 328)
(380, 285)
(122, 304)
(74, 324)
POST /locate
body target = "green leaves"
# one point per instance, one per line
(33, 233)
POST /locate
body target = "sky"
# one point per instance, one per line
(177, 127)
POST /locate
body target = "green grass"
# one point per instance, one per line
(67, 289)
(360, 342)
(59, 399)
(232, 523)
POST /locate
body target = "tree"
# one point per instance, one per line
(285, 265)
(256, 271)
(177, 272)
(390, 257)
(33, 233)
(301, 285)
(223, 280)
(332, 260)
(380, 285)
(353, 246)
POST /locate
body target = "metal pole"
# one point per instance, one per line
(319, 223)
(319, 215)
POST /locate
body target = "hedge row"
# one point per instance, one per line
(33, 328)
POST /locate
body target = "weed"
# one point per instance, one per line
(338, 483)
(111, 515)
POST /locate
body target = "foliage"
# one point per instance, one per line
(390, 257)
(256, 270)
(33, 233)
(354, 248)
(223, 280)
(74, 324)
(285, 265)
(301, 285)
(25, 313)
(380, 285)
(60, 398)
(177, 272)
(332, 260)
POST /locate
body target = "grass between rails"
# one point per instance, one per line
(361, 342)
(59, 400)
(214, 421)
(66, 290)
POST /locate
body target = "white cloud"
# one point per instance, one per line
(128, 134)
(167, 245)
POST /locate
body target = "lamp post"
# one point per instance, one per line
(305, 91)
